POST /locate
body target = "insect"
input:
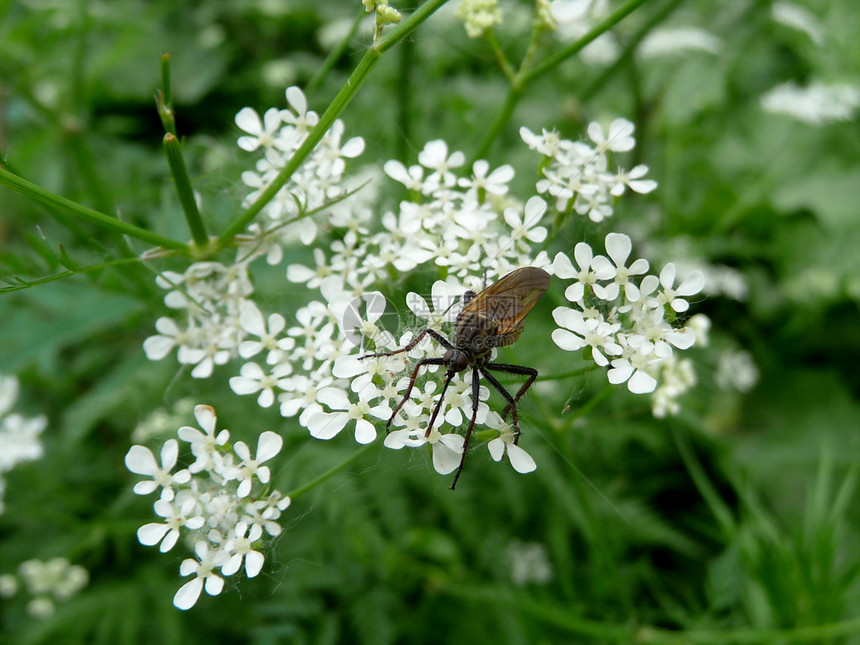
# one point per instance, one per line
(492, 318)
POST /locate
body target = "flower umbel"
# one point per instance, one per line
(628, 323)
(214, 504)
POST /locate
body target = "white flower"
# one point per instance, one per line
(521, 461)
(435, 157)
(548, 143)
(580, 332)
(251, 321)
(494, 183)
(529, 563)
(299, 116)
(478, 16)
(447, 448)
(19, 440)
(268, 445)
(632, 368)
(526, 228)
(412, 177)
(141, 461)
(240, 546)
(262, 131)
(8, 393)
(586, 276)
(204, 568)
(302, 395)
(312, 278)
(253, 379)
(443, 306)
(447, 451)
(176, 518)
(633, 180)
(618, 247)
(692, 284)
(325, 425)
(459, 399)
(619, 138)
(169, 336)
(203, 444)
(737, 370)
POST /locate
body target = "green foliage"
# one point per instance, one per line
(734, 522)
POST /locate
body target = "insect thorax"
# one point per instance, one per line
(476, 335)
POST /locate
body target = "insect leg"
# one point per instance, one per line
(448, 378)
(532, 374)
(436, 335)
(512, 401)
(418, 366)
(476, 391)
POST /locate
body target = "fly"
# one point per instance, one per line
(492, 318)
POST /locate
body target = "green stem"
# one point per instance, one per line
(38, 194)
(338, 104)
(527, 74)
(574, 48)
(26, 284)
(501, 59)
(629, 50)
(173, 152)
(316, 481)
(164, 97)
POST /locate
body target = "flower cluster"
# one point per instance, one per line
(464, 223)
(478, 16)
(318, 182)
(214, 502)
(19, 435)
(47, 582)
(466, 226)
(576, 174)
(625, 318)
(209, 296)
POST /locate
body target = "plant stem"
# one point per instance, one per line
(338, 104)
(20, 285)
(527, 74)
(629, 49)
(316, 481)
(52, 200)
(182, 182)
(164, 97)
(574, 48)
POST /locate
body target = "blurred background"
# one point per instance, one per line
(738, 513)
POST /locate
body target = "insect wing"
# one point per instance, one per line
(510, 299)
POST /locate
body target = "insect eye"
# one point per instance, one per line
(467, 297)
